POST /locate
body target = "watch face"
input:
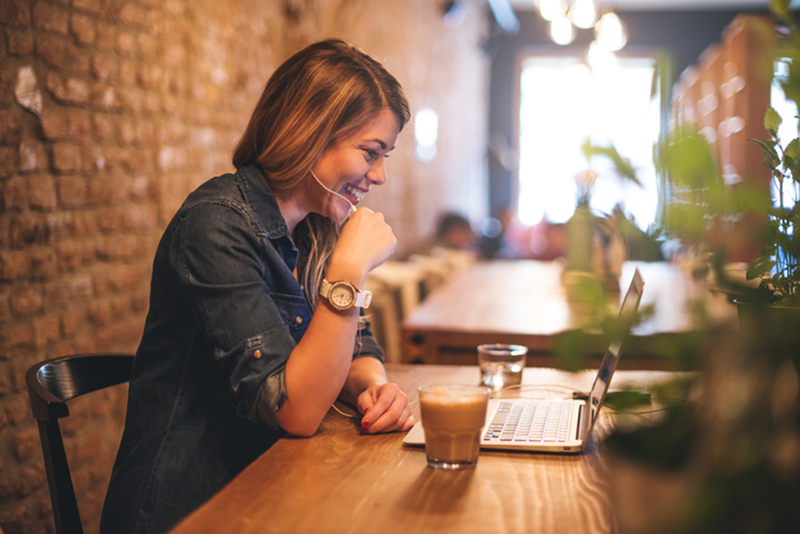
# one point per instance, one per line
(342, 296)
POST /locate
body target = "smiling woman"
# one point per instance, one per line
(350, 165)
(255, 326)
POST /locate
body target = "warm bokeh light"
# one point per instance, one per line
(561, 31)
(552, 9)
(610, 32)
(426, 133)
(583, 13)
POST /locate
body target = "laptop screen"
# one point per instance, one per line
(609, 363)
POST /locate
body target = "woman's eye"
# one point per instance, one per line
(371, 153)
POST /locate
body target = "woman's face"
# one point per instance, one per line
(352, 164)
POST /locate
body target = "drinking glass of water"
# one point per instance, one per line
(501, 365)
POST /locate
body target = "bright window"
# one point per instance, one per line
(788, 128)
(562, 103)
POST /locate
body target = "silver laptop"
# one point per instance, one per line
(551, 425)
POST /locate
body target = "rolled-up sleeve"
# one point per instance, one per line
(223, 266)
(272, 393)
(269, 399)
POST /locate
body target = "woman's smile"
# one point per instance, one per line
(356, 193)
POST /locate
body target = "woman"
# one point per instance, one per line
(253, 329)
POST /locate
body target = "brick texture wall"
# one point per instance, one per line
(111, 111)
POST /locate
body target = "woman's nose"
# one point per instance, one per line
(377, 174)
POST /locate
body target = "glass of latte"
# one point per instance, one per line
(453, 416)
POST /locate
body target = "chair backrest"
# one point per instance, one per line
(50, 384)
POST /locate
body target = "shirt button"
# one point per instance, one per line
(299, 320)
(257, 354)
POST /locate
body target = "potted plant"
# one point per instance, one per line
(699, 202)
(778, 264)
(593, 262)
(594, 243)
(725, 456)
(774, 309)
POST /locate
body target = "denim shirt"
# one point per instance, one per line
(208, 377)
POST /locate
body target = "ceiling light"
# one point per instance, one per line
(561, 31)
(583, 13)
(552, 9)
(610, 32)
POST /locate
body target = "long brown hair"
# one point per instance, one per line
(315, 97)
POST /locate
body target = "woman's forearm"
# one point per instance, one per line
(317, 369)
(364, 373)
(320, 363)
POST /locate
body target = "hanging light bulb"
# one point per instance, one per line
(561, 31)
(583, 13)
(601, 59)
(552, 9)
(610, 32)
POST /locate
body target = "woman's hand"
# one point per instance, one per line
(365, 242)
(385, 409)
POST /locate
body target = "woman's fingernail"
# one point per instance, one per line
(364, 425)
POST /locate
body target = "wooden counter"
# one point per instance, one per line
(340, 481)
(525, 302)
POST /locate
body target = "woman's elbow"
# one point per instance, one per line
(301, 431)
(303, 426)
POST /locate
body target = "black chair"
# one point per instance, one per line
(50, 385)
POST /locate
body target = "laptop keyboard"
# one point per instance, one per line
(546, 422)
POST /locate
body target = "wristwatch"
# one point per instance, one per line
(343, 295)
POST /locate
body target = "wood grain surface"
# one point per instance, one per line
(340, 481)
(525, 302)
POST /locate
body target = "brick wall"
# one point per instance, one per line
(111, 111)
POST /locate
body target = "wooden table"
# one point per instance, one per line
(340, 481)
(525, 302)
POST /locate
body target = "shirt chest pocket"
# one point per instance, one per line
(295, 312)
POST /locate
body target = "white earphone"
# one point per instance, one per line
(352, 206)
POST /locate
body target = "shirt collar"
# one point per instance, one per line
(258, 194)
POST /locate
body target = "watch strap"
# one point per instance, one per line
(363, 298)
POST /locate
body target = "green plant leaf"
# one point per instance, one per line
(621, 165)
(745, 196)
(794, 170)
(687, 222)
(791, 158)
(572, 349)
(772, 120)
(761, 266)
(690, 162)
(781, 214)
(771, 158)
(794, 214)
(771, 230)
(792, 150)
